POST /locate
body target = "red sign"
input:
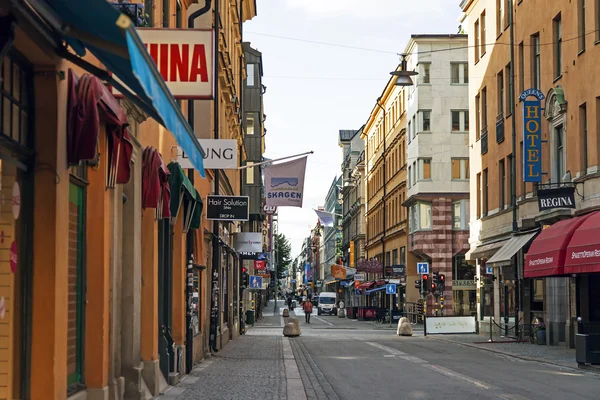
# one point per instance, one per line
(184, 58)
(260, 265)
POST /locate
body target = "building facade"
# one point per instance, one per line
(437, 158)
(514, 211)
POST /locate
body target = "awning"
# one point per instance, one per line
(484, 251)
(503, 257)
(546, 255)
(375, 290)
(365, 285)
(156, 192)
(97, 26)
(583, 251)
(184, 193)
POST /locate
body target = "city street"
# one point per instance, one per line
(338, 358)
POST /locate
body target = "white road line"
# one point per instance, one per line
(386, 349)
(322, 320)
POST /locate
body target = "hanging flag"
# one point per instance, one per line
(284, 183)
(325, 217)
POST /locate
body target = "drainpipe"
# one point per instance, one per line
(190, 237)
(384, 190)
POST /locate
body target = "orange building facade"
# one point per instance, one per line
(93, 297)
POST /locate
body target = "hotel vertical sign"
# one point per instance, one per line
(532, 135)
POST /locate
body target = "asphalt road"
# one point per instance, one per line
(345, 359)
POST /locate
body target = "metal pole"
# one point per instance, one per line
(277, 159)
(391, 299)
(513, 163)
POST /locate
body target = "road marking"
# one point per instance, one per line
(386, 349)
(322, 320)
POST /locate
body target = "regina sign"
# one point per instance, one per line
(563, 197)
(184, 58)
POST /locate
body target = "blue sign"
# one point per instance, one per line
(489, 270)
(390, 288)
(423, 268)
(293, 281)
(255, 282)
(532, 135)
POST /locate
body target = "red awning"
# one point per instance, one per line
(366, 285)
(583, 252)
(155, 183)
(546, 255)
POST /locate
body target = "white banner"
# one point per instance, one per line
(325, 217)
(249, 242)
(437, 325)
(284, 183)
(220, 154)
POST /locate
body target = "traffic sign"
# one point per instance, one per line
(423, 268)
(256, 282)
(489, 270)
(390, 288)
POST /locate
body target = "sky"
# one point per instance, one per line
(325, 62)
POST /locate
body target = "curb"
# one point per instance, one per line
(526, 358)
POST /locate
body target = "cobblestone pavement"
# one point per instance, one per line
(315, 384)
(557, 355)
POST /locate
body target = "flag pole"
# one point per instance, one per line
(277, 159)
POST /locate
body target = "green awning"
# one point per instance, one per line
(184, 192)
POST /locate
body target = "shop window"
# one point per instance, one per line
(538, 290)
(76, 287)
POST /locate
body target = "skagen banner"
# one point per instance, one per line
(549, 199)
(284, 183)
(220, 154)
(250, 242)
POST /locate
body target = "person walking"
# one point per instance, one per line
(307, 307)
(289, 303)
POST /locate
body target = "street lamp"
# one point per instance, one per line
(403, 77)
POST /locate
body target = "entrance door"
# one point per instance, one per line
(165, 295)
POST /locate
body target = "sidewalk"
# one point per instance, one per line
(555, 355)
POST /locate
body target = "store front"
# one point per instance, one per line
(464, 289)
(16, 201)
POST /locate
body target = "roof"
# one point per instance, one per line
(347, 134)
(439, 36)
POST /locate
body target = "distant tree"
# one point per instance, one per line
(283, 250)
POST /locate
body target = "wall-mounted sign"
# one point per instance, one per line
(562, 197)
(351, 261)
(395, 271)
(220, 154)
(269, 209)
(248, 242)
(339, 272)
(184, 58)
(359, 277)
(532, 135)
(228, 208)
(260, 265)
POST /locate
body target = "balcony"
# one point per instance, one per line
(484, 141)
(135, 11)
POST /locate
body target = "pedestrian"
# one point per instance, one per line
(307, 307)
(289, 302)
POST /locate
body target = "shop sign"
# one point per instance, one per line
(359, 277)
(260, 265)
(219, 154)
(247, 241)
(351, 263)
(562, 197)
(463, 284)
(184, 58)
(532, 135)
(228, 208)
(395, 270)
(269, 209)
(339, 272)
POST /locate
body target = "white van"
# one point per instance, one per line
(327, 303)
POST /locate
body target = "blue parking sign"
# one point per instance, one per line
(423, 268)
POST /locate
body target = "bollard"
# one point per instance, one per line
(292, 328)
(404, 327)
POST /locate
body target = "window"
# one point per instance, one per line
(584, 137)
(414, 125)
(403, 255)
(499, 17)
(249, 124)
(249, 174)
(597, 20)
(581, 24)
(250, 79)
(479, 205)
(166, 12)
(557, 46)
(477, 40)
(395, 257)
(426, 120)
(509, 166)
(535, 64)
(477, 117)
(484, 196)
(459, 73)
(460, 168)
(501, 184)
(521, 52)
(460, 120)
(414, 177)
(460, 214)
(420, 215)
(387, 258)
(509, 100)
(409, 131)
(484, 109)
(483, 35)
(500, 87)
(409, 176)
(426, 77)
(424, 168)
(149, 5)
(15, 102)
(559, 153)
